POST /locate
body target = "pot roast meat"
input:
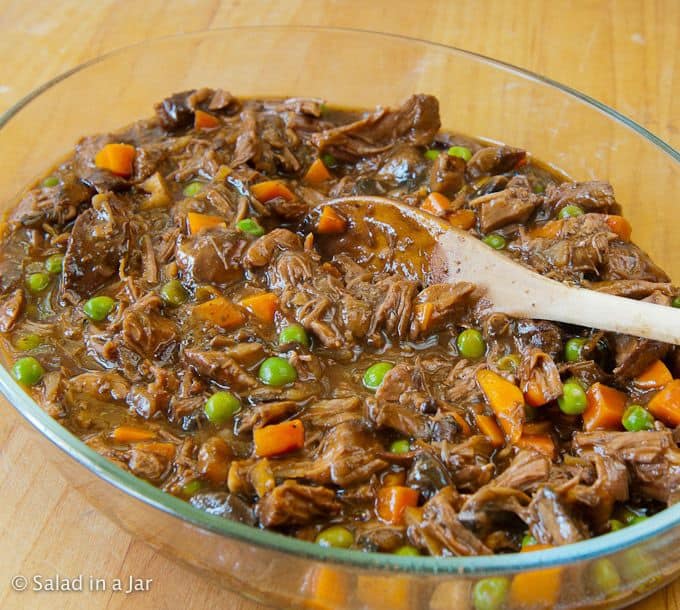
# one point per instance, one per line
(269, 418)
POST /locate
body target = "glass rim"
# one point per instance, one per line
(446, 566)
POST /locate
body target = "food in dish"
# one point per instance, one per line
(178, 296)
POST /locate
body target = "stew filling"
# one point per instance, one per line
(179, 297)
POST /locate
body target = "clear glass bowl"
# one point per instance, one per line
(478, 96)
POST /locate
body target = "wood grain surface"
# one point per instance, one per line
(624, 53)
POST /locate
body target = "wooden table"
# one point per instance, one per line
(623, 53)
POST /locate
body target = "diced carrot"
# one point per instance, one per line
(394, 478)
(327, 588)
(391, 502)
(199, 222)
(317, 173)
(221, 312)
(263, 306)
(270, 189)
(437, 204)
(464, 426)
(506, 400)
(214, 459)
(655, 376)
(424, 313)
(279, 438)
(605, 408)
(391, 592)
(534, 395)
(543, 443)
(117, 158)
(330, 222)
(620, 226)
(166, 450)
(548, 230)
(204, 120)
(537, 588)
(488, 427)
(130, 434)
(665, 405)
(462, 219)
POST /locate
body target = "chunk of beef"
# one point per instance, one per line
(511, 205)
(539, 334)
(213, 256)
(448, 301)
(246, 142)
(550, 522)
(592, 196)
(632, 289)
(292, 503)
(461, 383)
(403, 166)
(626, 261)
(427, 473)
(493, 160)
(149, 399)
(380, 538)
(416, 122)
(440, 531)
(469, 462)
(146, 462)
(223, 100)
(395, 311)
(447, 174)
(265, 248)
(144, 330)
(348, 455)
(225, 505)
(11, 309)
(652, 458)
(402, 401)
(221, 368)
(56, 205)
(174, 112)
(98, 241)
(264, 414)
(106, 386)
(634, 354)
(538, 374)
(332, 412)
(526, 471)
(586, 371)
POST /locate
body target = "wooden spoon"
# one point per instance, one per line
(518, 291)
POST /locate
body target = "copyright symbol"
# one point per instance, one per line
(19, 583)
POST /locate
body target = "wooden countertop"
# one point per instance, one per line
(623, 53)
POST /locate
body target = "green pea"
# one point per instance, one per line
(97, 308)
(375, 374)
(509, 362)
(37, 282)
(277, 371)
(497, 242)
(569, 211)
(573, 400)
(400, 446)
(54, 263)
(28, 371)
(432, 154)
(675, 302)
(407, 551)
(538, 188)
(294, 333)
(573, 349)
(329, 160)
(50, 181)
(192, 189)
(638, 519)
(471, 344)
(636, 418)
(615, 525)
(250, 226)
(460, 151)
(336, 536)
(605, 576)
(221, 407)
(191, 488)
(174, 293)
(528, 540)
(27, 342)
(490, 593)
